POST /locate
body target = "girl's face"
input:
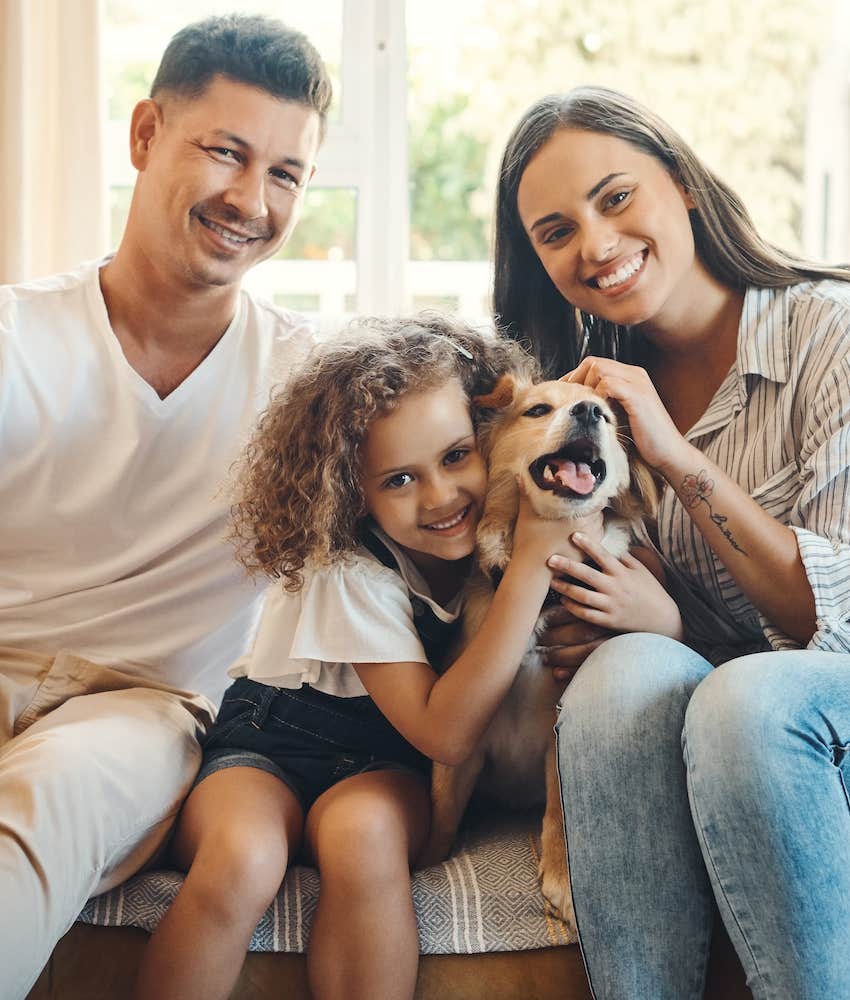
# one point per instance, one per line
(423, 477)
(610, 226)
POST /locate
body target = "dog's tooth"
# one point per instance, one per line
(548, 474)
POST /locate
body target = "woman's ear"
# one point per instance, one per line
(500, 397)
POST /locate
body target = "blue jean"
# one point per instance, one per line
(754, 817)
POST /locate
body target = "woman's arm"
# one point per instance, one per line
(445, 715)
(761, 554)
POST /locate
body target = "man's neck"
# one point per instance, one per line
(165, 329)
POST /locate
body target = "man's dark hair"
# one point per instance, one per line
(259, 51)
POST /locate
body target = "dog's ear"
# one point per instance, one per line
(501, 395)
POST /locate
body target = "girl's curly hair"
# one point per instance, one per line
(299, 486)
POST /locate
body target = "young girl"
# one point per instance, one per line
(361, 493)
(615, 243)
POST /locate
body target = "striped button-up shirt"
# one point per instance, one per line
(779, 425)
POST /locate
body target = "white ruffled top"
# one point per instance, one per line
(354, 611)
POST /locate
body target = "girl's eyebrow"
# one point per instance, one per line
(591, 194)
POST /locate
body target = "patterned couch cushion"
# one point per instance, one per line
(486, 897)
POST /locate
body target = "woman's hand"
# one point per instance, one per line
(652, 429)
(567, 642)
(622, 595)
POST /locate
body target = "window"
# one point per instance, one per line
(399, 213)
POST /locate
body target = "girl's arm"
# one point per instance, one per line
(445, 715)
(760, 553)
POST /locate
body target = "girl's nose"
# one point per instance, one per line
(439, 490)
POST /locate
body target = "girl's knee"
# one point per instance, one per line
(238, 861)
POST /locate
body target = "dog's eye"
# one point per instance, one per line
(540, 410)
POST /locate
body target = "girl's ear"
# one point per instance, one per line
(501, 395)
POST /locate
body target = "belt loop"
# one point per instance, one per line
(263, 705)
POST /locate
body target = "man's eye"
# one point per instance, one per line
(539, 410)
(285, 179)
(455, 455)
(398, 480)
(223, 152)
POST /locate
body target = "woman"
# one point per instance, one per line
(621, 257)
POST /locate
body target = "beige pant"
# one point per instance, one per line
(93, 767)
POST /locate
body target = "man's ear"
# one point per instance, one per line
(501, 395)
(145, 123)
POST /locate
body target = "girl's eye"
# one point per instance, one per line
(398, 480)
(455, 455)
(540, 410)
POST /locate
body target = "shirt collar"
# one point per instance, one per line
(764, 338)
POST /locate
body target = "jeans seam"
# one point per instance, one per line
(708, 856)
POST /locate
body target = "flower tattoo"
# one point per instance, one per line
(696, 489)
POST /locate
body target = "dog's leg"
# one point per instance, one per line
(554, 870)
(451, 789)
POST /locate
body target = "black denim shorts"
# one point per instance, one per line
(308, 739)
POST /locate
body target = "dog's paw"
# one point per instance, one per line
(555, 886)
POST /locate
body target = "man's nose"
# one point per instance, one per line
(247, 193)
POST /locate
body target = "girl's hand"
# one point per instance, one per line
(652, 429)
(537, 538)
(625, 595)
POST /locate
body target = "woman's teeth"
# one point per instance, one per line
(450, 523)
(623, 272)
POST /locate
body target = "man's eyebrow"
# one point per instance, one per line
(591, 194)
(237, 140)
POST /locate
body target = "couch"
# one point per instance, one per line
(486, 932)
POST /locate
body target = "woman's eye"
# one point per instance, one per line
(554, 235)
(398, 480)
(455, 455)
(617, 199)
(540, 410)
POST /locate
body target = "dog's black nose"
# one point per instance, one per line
(586, 413)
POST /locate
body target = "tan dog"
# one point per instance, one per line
(561, 441)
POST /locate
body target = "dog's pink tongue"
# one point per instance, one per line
(575, 476)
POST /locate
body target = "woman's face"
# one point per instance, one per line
(610, 226)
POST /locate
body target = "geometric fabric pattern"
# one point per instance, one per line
(486, 897)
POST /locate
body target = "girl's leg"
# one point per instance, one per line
(766, 746)
(642, 897)
(237, 831)
(365, 833)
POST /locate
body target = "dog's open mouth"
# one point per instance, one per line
(573, 471)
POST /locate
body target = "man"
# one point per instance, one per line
(127, 390)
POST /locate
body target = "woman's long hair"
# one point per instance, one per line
(526, 304)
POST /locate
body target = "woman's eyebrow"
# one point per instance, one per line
(591, 194)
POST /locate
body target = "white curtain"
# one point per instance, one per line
(53, 200)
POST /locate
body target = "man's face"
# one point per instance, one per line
(222, 179)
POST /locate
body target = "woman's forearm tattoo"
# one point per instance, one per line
(697, 489)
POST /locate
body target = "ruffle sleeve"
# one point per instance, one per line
(354, 611)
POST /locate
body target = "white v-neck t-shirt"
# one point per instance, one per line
(115, 502)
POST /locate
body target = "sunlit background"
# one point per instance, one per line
(427, 91)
